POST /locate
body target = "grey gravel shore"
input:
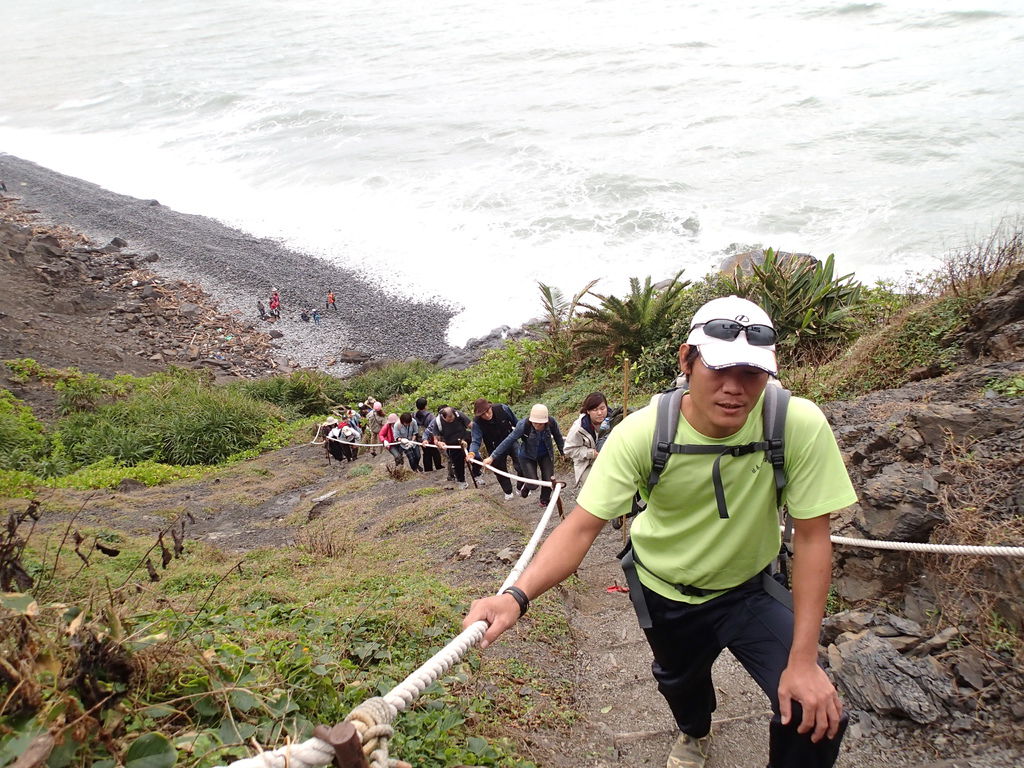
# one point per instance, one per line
(238, 269)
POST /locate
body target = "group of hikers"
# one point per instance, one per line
(272, 311)
(423, 438)
(712, 464)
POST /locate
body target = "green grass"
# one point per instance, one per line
(1011, 386)
(429, 490)
(228, 650)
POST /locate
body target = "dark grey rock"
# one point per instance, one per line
(874, 676)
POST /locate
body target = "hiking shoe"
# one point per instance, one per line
(463, 486)
(689, 752)
(509, 496)
(525, 491)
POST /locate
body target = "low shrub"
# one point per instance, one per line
(24, 369)
(386, 381)
(16, 484)
(85, 392)
(508, 374)
(1011, 386)
(565, 399)
(107, 473)
(23, 438)
(172, 422)
(977, 269)
(300, 393)
(658, 364)
(921, 337)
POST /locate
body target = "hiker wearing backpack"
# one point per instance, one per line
(700, 555)
(492, 423)
(423, 417)
(539, 434)
(447, 429)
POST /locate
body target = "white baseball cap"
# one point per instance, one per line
(719, 351)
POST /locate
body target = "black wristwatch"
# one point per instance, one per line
(519, 596)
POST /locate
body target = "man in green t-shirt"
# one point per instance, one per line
(700, 562)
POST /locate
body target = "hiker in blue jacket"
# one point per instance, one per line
(492, 423)
(539, 434)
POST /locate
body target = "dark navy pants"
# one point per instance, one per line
(758, 630)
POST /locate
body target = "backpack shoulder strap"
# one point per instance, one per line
(664, 433)
(776, 403)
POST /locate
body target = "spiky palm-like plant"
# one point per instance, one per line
(810, 307)
(615, 326)
(560, 313)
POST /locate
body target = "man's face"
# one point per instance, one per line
(720, 400)
(486, 415)
(448, 418)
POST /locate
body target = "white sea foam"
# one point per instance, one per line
(466, 149)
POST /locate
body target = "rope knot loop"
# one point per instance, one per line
(372, 720)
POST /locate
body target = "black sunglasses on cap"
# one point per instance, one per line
(727, 330)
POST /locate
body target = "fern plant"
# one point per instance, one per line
(615, 327)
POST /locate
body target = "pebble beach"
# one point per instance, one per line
(238, 270)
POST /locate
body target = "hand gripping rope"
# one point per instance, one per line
(369, 724)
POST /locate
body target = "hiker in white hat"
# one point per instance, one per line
(539, 434)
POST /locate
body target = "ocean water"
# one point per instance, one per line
(465, 150)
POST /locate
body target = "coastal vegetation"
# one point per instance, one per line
(146, 651)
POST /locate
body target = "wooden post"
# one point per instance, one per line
(469, 467)
(625, 386)
(348, 747)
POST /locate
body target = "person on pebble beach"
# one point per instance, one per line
(330, 301)
(275, 304)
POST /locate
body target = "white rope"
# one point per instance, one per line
(945, 549)
(544, 483)
(309, 754)
(445, 446)
(315, 752)
(420, 443)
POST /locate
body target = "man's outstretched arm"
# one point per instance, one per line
(560, 555)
